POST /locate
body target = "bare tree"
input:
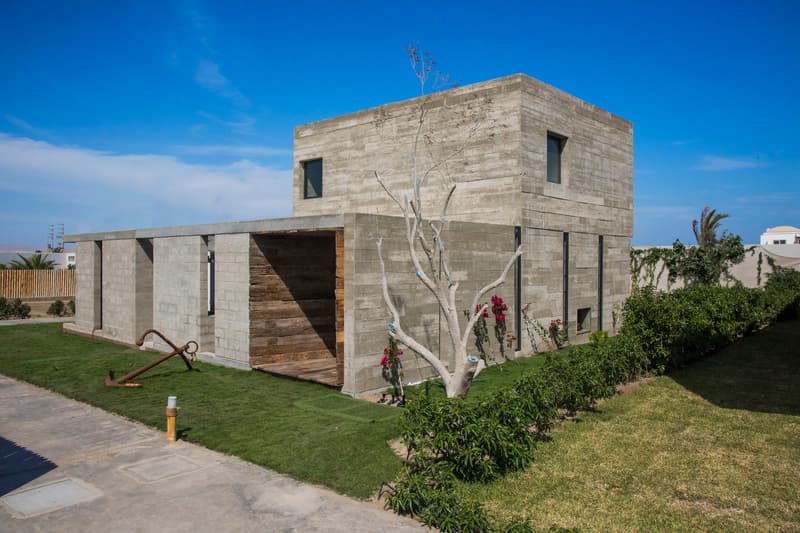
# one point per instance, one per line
(426, 246)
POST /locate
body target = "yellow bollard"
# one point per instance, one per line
(172, 414)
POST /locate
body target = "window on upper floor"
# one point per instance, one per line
(555, 147)
(312, 178)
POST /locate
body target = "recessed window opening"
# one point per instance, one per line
(600, 259)
(555, 147)
(210, 275)
(565, 274)
(584, 322)
(312, 178)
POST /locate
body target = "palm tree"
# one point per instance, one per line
(705, 231)
(33, 262)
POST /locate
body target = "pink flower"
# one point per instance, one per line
(385, 360)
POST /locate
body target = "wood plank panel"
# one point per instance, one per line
(292, 298)
(37, 283)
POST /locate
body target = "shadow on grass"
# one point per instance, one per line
(760, 373)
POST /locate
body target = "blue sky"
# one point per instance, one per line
(116, 115)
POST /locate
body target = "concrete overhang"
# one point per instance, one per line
(309, 223)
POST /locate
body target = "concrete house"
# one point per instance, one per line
(302, 296)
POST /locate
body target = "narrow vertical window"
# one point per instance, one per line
(600, 259)
(566, 277)
(518, 289)
(210, 275)
(210, 282)
(98, 291)
(555, 146)
(312, 178)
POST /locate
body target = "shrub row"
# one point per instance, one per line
(58, 308)
(13, 309)
(451, 439)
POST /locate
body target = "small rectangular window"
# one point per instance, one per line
(584, 322)
(312, 178)
(555, 146)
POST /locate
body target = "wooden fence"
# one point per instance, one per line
(37, 283)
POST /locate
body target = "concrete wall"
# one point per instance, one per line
(595, 197)
(87, 285)
(746, 272)
(180, 291)
(354, 146)
(127, 289)
(501, 177)
(478, 254)
(232, 283)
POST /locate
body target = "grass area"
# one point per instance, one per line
(305, 430)
(713, 447)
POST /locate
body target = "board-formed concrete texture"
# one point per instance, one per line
(490, 139)
(477, 252)
(501, 178)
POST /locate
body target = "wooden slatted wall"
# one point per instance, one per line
(37, 283)
(292, 297)
(340, 306)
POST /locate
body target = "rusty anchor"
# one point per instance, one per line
(182, 351)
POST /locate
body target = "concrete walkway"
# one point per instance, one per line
(69, 467)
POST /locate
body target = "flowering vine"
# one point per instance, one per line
(392, 371)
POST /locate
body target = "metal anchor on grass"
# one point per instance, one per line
(182, 351)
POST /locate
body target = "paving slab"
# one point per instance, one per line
(69, 467)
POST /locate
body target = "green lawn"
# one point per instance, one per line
(714, 447)
(308, 431)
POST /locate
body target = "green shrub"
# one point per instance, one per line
(71, 307)
(451, 439)
(476, 442)
(14, 309)
(56, 308)
(431, 496)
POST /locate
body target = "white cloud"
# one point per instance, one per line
(145, 189)
(209, 76)
(243, 126)
(27, 127)
(712, 163)
(234, 150)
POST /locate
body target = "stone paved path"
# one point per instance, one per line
(69, 467)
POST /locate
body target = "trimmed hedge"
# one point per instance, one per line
(452, 439)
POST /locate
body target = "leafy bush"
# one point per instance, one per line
(451, 439)
(71, 307)
(476, 442)
(431, 495)
(14, 309)
(56, 308)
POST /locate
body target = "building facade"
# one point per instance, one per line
(531, 165)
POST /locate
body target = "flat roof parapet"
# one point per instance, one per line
(306, 223)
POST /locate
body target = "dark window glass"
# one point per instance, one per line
(584, 322)
(555, 146)
(312, 177)
(565, 264)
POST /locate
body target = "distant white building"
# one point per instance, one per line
(780, 235)
(62, 260)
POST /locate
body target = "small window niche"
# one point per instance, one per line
(312, 178)
(555, 149)
(584, 322)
